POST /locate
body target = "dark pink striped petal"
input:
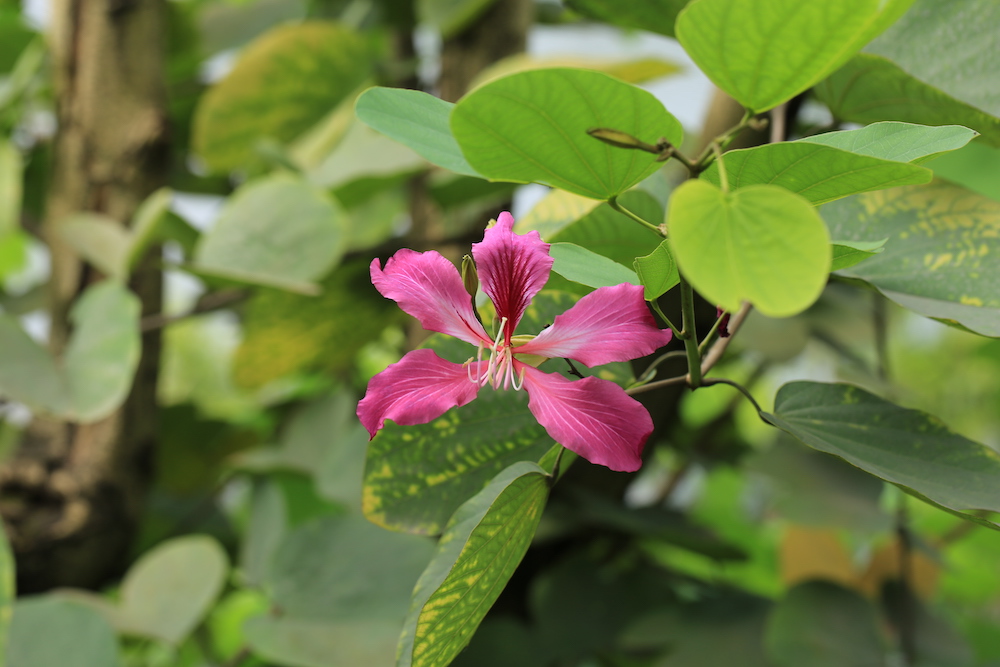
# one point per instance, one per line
(592, 417)
(417, 389)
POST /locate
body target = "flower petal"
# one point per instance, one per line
(609, 324)
(512, 268)
(428, 287)
(417, 389)
(593, 417)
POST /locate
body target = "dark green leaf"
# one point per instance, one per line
(906, 447)
(310, 643)
(532, 127)
(870, 88)
(817, 172)
(479, 550)
(973, 167)
(417, 120)
(760, 244)
(823, 625)
(653, 15)
(943, 255)
(765, 57)
(283, 83)
(417, 476)
(848, 253)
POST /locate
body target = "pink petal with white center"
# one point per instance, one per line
(512, 268)
(428, 287)
(417, 389)
(592, 417)
(609, 324)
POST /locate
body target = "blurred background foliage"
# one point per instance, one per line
(734, 544)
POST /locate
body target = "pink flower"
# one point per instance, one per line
(593, 417)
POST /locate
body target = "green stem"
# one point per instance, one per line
(656, 309)
(743, 390)
(690, 334)
(647, 374)
(613, 202)
(712, 333)
(723, 176)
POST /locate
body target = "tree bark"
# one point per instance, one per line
(73, 493)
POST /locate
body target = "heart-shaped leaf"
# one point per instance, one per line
(761, 244)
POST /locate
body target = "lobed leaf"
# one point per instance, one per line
(899, 142)
(588, 268)
(657, 271)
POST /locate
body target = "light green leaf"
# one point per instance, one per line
(817, 172)
(284, 82)
(50, 631)
(765, 55)
(899, 142)
(103, 351)
(310, 643)
(556, 211)
(414, 119)
(28, 372)
(943, 255)
(146, 223)
(870, 88)
(653, 15)
(267, 524)
(100, 240)
(908, 448)
(7, 591)
(974, 167)
(364, 153)
(635, 71)
(450, 17)
(417, 476)
(821, 624)
(532, 127)
(274, 231)
(315, 572)
(949, 45)
(10, 187)
(479, 550)
(761, 244)
(170, 588)
(849, 253)
(657, 271)
(588, 268)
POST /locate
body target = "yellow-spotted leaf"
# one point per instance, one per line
(481, 547)
(761, 244)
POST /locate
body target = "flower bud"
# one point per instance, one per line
(470, 278)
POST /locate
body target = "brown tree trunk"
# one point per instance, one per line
(73, 493)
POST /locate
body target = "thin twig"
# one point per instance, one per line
(680, 379)
(708, 382)
(613, 203)
(207, 303)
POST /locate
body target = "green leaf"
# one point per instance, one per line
(974, 167)
(417, 476)
(817, 172)
(908, 448)
(943, 255)
(171, 588)
(823, 625)
(284, 82)
(7, 590)
(364, 153)
(28, 372)
(450, 17)
(103, 351)
(949, 45)
(637, 71)
(588, 268)
(765, 56)
(761, 244)
(276, 231)
(287, 333)
(315, 572)
(657, 271)
(848, 253)
(99, 239)
(532, 127)
(50, 631)
(305, 643)
(652, 15)
(147, 222)
(415, 119)
(479, 550)
(899, 142)
(10, 187)
(870, 88)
